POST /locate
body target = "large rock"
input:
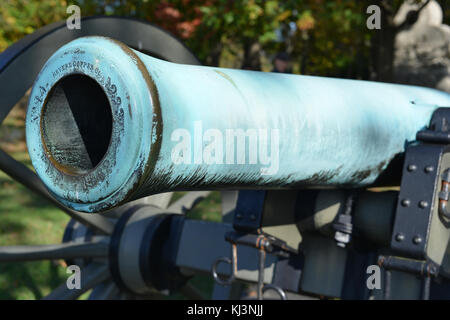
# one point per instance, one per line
(422, 52)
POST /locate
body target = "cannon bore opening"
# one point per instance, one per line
(76, 124)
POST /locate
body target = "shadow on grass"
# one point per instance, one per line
(8, 226)
(26, 280)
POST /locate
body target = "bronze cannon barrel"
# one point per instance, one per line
(107, 125)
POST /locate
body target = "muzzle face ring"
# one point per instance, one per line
(83, 125)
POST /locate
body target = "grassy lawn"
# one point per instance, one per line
(27, 219)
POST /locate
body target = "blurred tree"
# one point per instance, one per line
(253, 24)
(333, 39)
(322, 37)
(22, 17)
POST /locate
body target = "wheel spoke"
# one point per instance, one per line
(105, 291)
(29, 179)
(188, 201)
(91, 276)
(70, 250)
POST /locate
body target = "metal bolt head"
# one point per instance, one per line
(429, 169)
(433, 270)
(423, 204)
(405, 202)
(417, 240)
(399, 237)
(341, 238)
(412, 167)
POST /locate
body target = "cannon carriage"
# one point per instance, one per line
(112, 130)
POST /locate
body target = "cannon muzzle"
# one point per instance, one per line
(107, 125)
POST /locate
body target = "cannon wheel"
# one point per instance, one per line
(87, 236)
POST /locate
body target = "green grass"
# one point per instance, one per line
(208, 209)
(26, 218)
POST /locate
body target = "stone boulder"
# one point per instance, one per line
(422, 51)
